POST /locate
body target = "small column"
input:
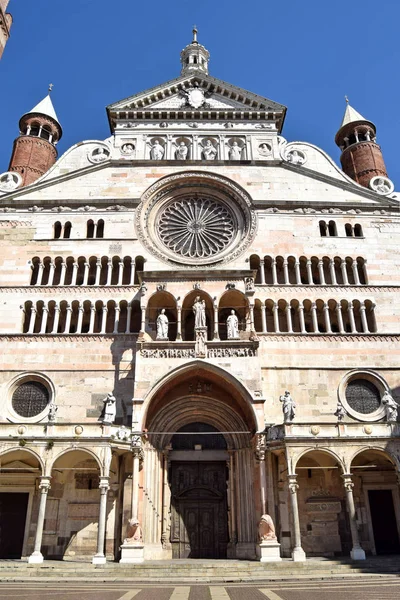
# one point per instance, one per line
(132, 279)
(116, 318)
(263, 319)
(74, 273)
(166, 500)
(98, 271)
(262, 272)
(355, 272)
(332, 271)
(364, 268)
(344, 272)
(80, 319)
(120, 272)
(340, 317)
(179, 324)
(233, 538)
(351, 317)
(68, 319)
(289, 318)
(94, 229)
(86, 274)
(301, 319)
(364, 318)
(357, 553)
(216, 332)
(92, 317)
(251, 308)
(52, 268)
(327, 318)
(321, 272)
(63, 273)
(143, 320)
(309, 272)
(276, 317)
(40, 274)
(37, 557)
(274, 274)
(314, 317)
(109, 271)
(56, 318)
(99, 558)
(297, 271)
(128, 318)
(104, 320)
(32, 320)
(44, 318)
(298, 553)
(286, 271)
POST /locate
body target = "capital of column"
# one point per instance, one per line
(338, 306)
(261, 449)
(348, 481)
(104, 484)
(293, 485)
(44, 484)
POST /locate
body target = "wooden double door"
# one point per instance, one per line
(199, 524)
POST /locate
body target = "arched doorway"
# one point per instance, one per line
(199, 446)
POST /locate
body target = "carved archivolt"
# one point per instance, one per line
(195, 219)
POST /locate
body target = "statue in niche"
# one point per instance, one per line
(134, 534)
(391, 407)
(266, 529)
(128, 148)
(235, 152)
(340, 411)
(182, 151)
(264, 149)
(288, 407)
(232, 326)
(200, 345)
(199, 309)
(110, 409)
(209, 152)
(162, 326)
(157, 151)
(53, 408)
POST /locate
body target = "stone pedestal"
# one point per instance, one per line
(99, 559)
(269, 551)
(35, 558)
(357, 554)
(298, 555)
(132, 553)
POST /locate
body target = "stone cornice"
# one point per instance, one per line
(329, 337)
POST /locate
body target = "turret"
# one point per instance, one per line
(34, 151)
(194, 57)
(361, 157)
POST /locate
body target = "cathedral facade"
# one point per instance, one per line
(199, 327)
(5, 25)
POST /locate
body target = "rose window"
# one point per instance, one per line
(30, 399)
(196, 227)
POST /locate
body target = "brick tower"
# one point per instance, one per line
(361, 157)
(34, 151)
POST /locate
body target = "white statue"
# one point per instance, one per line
(162, 326)
(288, 407)
(391, 407)
(128, 148)
(157, 151)
(8, 181)
(110, 409)
(232, 326)
(53, 408)
(296, 157)
(264, 149)
(209, 152)
(200, 348)
(235, 152)
(199, 309)
(381, 185)
(340, 411)
(182, 151)
(266, 529)
(100, 154)
(134, 533)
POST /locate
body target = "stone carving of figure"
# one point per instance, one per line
(288, 407)
(296, 157)
(110, 409)
(162, 326)
(182, 151)
(134, 533)
(100, 154)
(209, 152)
(340, 411)
(264, 149)
(199, 309)
(391, 406)
(235, 152)
(53, 408)
(8, 181)
(266, 529)
(381, 185)
(128, 148)
(157, 151)
(232, 326)
(200, 345)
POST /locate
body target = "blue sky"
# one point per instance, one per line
(305, 54)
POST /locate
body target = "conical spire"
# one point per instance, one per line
(194, 57)
(351, 115)
(45, 107)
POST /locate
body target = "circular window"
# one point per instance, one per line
(361, 395)
(195, 219)
(30, 399)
